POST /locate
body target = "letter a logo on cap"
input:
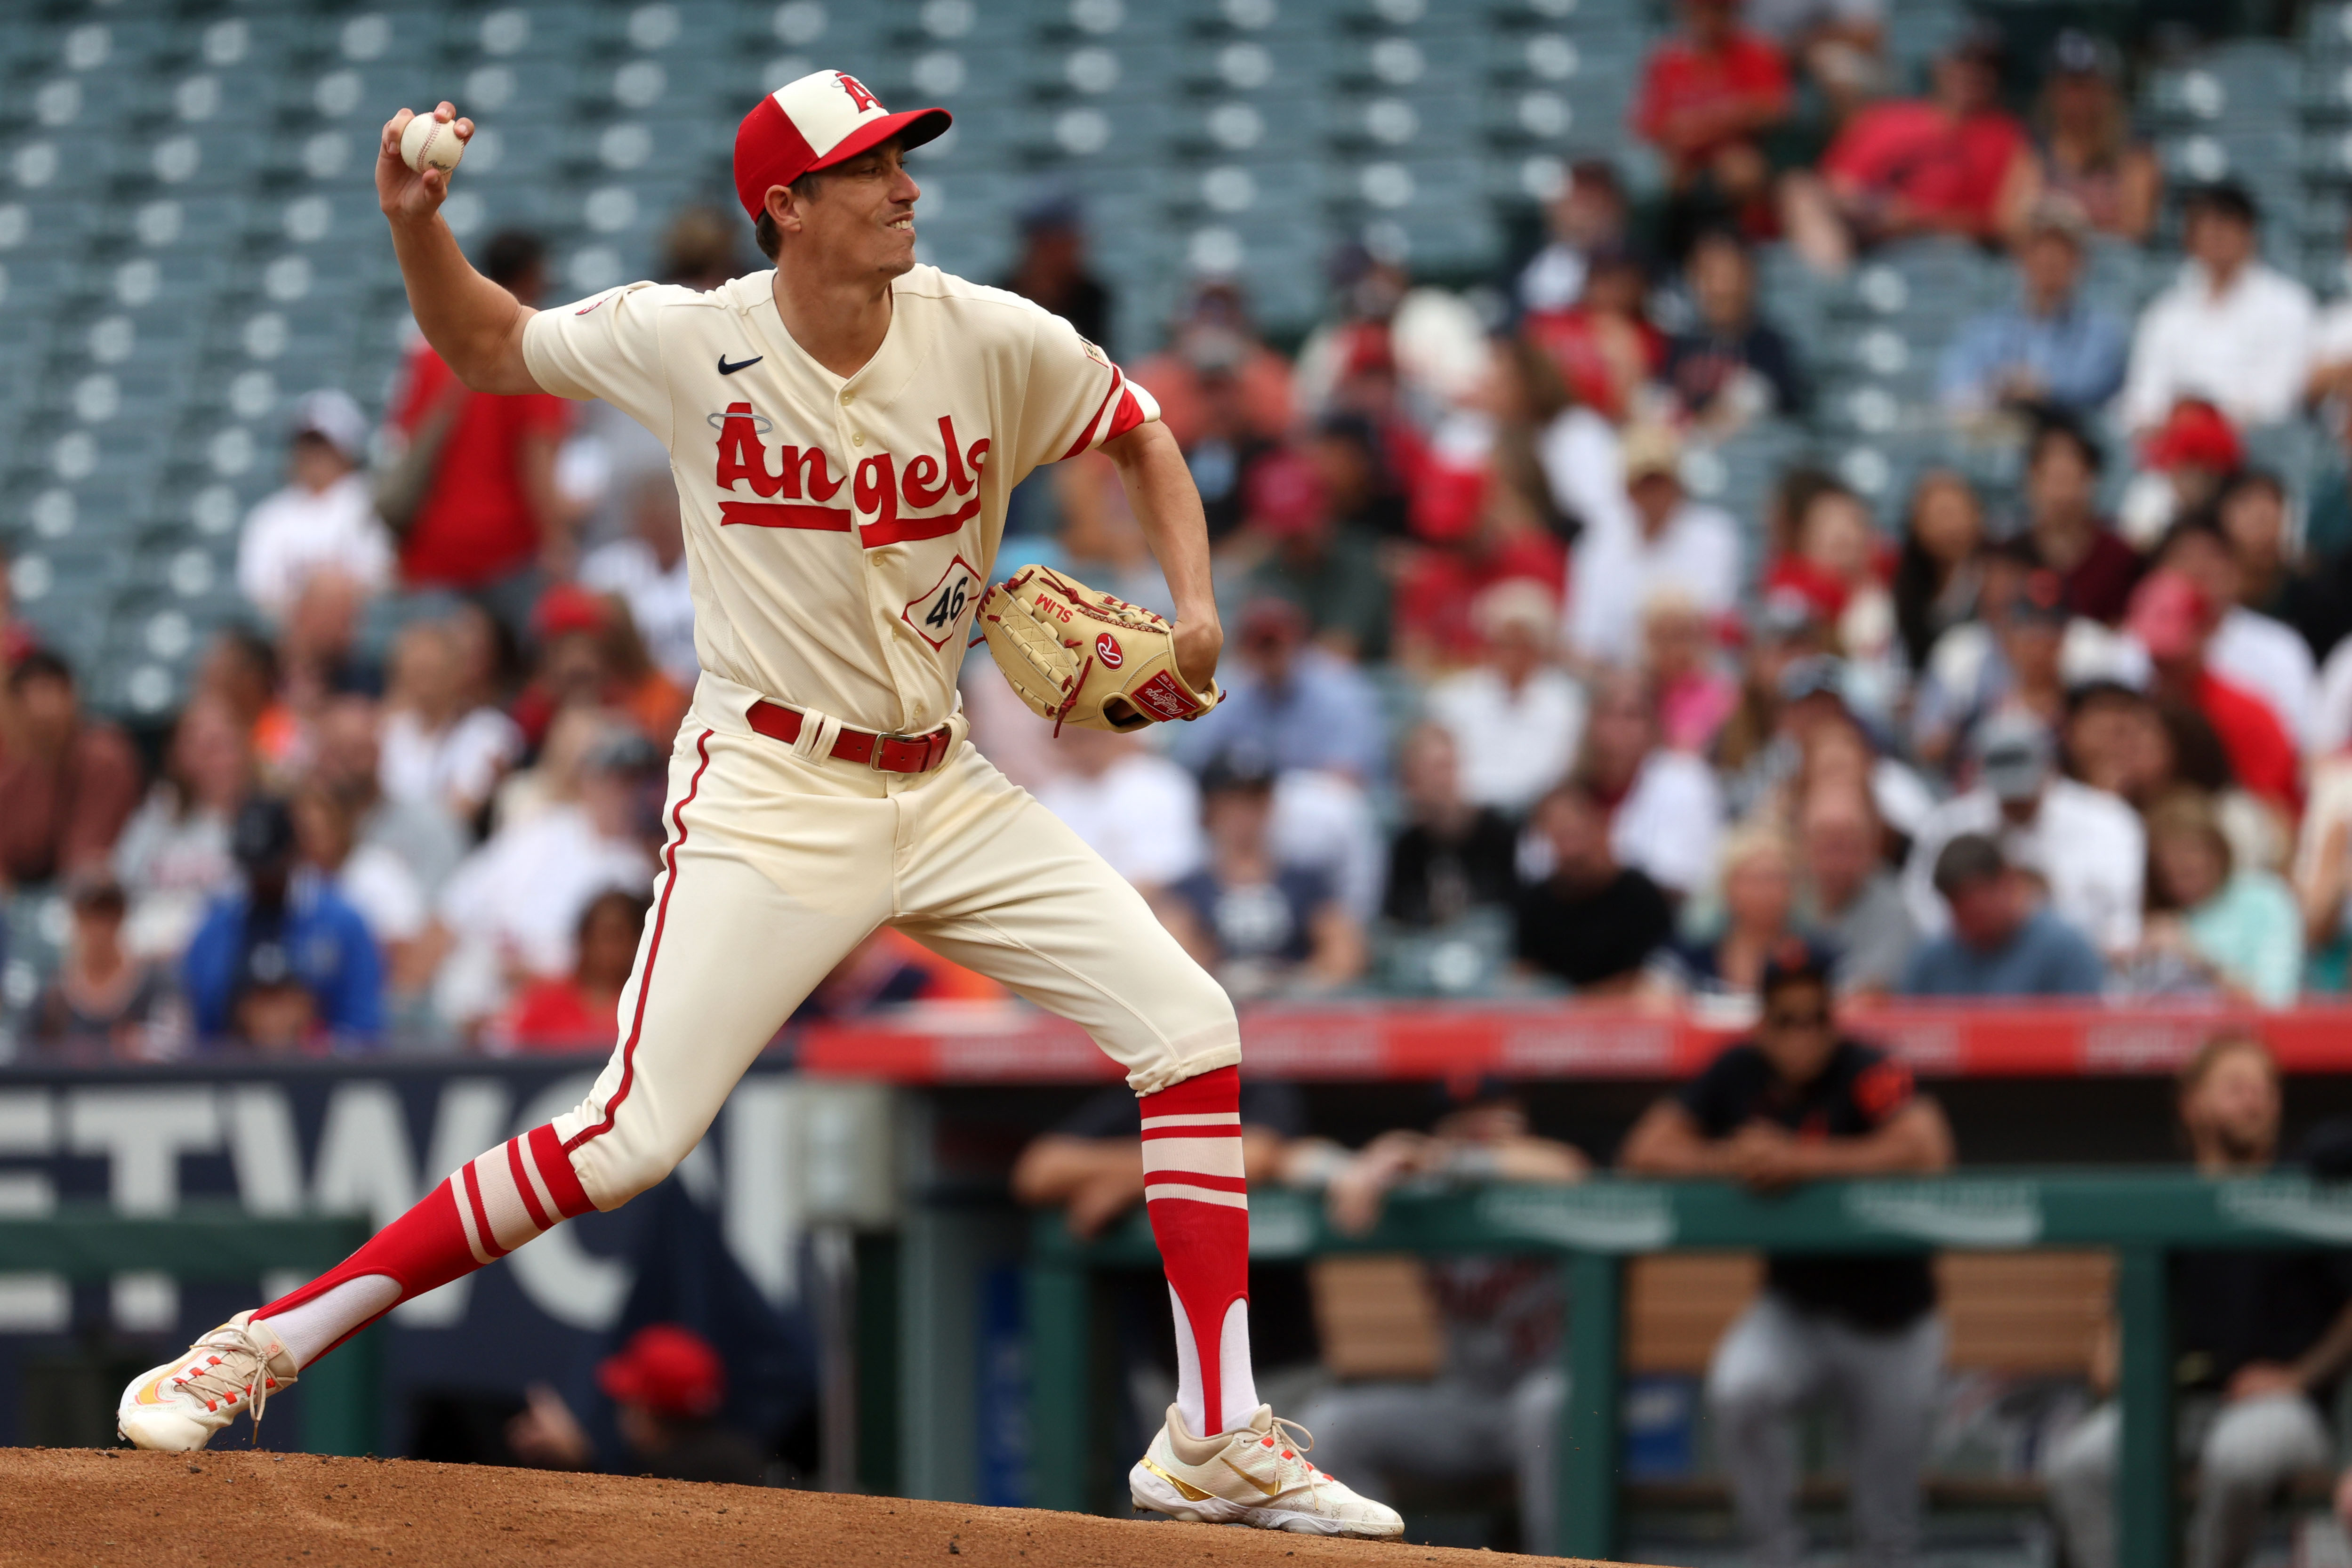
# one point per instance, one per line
(816, 121)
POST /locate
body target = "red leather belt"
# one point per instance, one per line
(891, 753)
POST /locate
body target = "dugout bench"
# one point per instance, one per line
(1595, 1226)
(87, 1243)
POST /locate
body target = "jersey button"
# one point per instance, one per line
(858, 438)
(847, 398)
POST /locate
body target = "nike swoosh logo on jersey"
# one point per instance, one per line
(725, 369)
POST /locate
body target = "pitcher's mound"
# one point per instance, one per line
(78, 1506)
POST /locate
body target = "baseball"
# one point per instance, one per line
(430, 142)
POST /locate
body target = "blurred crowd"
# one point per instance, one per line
(1513, 708)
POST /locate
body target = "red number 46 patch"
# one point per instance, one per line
(937, 614)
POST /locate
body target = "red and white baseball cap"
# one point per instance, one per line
(825, 118)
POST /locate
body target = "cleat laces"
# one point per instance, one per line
(237, 1368)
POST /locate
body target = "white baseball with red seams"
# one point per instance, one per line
(428, 143)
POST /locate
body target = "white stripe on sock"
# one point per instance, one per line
(1236, 1385)
(502, 1203)
(458, 1185)
(1153, 1191)
(1202, 1156)
(1201, 1119)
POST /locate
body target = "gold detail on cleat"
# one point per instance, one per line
(1184, 1488)
(1270, 1490)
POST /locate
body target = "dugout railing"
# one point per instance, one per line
(1595, 1226)
(342, 1399)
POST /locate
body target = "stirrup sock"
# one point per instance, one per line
(493, 1204)
(1199, 1204)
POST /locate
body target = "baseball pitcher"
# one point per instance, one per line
(844, 430)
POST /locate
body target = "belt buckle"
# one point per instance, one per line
(926, 746)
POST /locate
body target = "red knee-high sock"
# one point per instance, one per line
(1199, 1204)
(493, 1204)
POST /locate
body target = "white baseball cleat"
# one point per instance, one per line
(177, 1407)
(1257, 1476)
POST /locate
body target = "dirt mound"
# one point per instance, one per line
(77, 1506)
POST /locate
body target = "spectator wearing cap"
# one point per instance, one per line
(2213, 925)
(1665, 807)
(1798, 1102)
(1298, 705)
(511, 910)
(1134, 808)
(284, 960)
(1051, 269)
(1331, 570)
(1824, 720)
(2174, 621)
(477, 507)
(1589, 921)
(576, 1012)
(1515, 716)
(1784, 630)
(1756, 882)
(2184, 463)
(667, 1385)
(1257, 924)
(324, 520)
(1588, 214)
(2049, 348)
(1218, 383)
(2024, 645)
(1730, 367)
(105, 997)
(173, 855)
(1847, 895)
(1999, 939)
(1498, 1387)
(647, 570)
(2062, 465)
(2257, 652)
(1913, 167)
(590, 656)
(1660, 538)
(2086, 164)
(2261, 1338)
(441, 747)
(67, 782)
(1451, 853)
(1709, 94)
(2085, 846)
(2233, 331)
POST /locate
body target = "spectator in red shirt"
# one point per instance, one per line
(2172, 618)
(491, 513)
(1604, 344)
(576, 1011)
(1913, 167)
(1706, 97)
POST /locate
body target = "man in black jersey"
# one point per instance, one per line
(1800, 1103)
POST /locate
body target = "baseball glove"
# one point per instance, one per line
(1079, 657)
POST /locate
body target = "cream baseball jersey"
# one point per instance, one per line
(839, 533)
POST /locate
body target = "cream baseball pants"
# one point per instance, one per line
(780, 860)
